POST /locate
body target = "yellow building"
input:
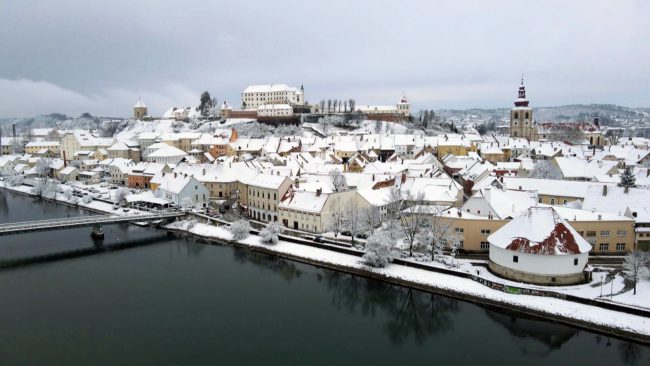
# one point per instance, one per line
(607, 233)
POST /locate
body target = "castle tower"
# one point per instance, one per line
(139, 110)
(403, 107)
(521, 116)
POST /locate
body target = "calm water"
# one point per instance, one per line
(180, 302)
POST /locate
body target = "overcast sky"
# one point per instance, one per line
(83, 56)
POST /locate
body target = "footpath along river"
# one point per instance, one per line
(177, 301)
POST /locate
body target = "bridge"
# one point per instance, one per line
(79, 221)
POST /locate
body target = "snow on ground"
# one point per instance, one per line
(591, 314)
(201, 229)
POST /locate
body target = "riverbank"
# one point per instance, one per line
(594, 318)
(589, 317)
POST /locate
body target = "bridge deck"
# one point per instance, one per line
(68, 222)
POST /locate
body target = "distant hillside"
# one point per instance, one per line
(610, 114)
(107, 125)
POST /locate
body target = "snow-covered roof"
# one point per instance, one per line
(304, 201)
(267, 88)
(139, 104)
(540, 230)
(167, 151)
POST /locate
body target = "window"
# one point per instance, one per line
(515, 258)
(516, 115)
(575, 261)
(591, 233)
(621, 233)
(552, 201)
(539, 200)
(459, 230)
(485, 245)
(604, 247)
(564, 202)
(604, 233)
(485, 231)
(620, 247)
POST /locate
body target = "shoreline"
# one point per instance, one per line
(367, 272)
(355, 268)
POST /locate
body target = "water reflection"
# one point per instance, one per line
(411, 313)
(286, 269)
(546, 337)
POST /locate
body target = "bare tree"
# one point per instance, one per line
(345, 105)
(322, 106)
(352, 104)
(436, 235)
(371, 218)
(337, 216)
(635, 266)
(412, 218)
(338, 181)
(352, 219)
(329, 106)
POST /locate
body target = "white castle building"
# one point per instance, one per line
(257, 95)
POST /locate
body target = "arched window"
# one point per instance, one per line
(515, 133)
(516, 115)
(526, 115)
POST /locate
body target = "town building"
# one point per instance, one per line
(539, 247)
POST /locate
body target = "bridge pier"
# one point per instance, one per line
(97, 232)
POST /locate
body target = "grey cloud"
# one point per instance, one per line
(442, 54)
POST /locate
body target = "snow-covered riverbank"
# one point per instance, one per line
(592, 317)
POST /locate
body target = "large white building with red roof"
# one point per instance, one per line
(539, 247)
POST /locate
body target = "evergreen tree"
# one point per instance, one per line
(627, 179)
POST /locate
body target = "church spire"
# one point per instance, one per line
(521, 98)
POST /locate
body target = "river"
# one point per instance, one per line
(177, 301)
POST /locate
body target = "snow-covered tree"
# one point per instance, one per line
(120, 195)
(42, 167)
(544, 169)
(67, 195)
(269, 235)
(49, 190)
(17, 146)
(378, 250)
(38, 188)
(240, 229)
(187, 203)
(15, 180)
(86, 199)
(635, 266)
(627, 179)
(339, 183)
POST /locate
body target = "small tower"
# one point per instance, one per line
(139, 110)
(521, 116)
(403, 107)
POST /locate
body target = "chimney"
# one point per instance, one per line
(318, 192)
(203, 171)
(175, 174)
(604, 190)
(373, 177)
(600, 217)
